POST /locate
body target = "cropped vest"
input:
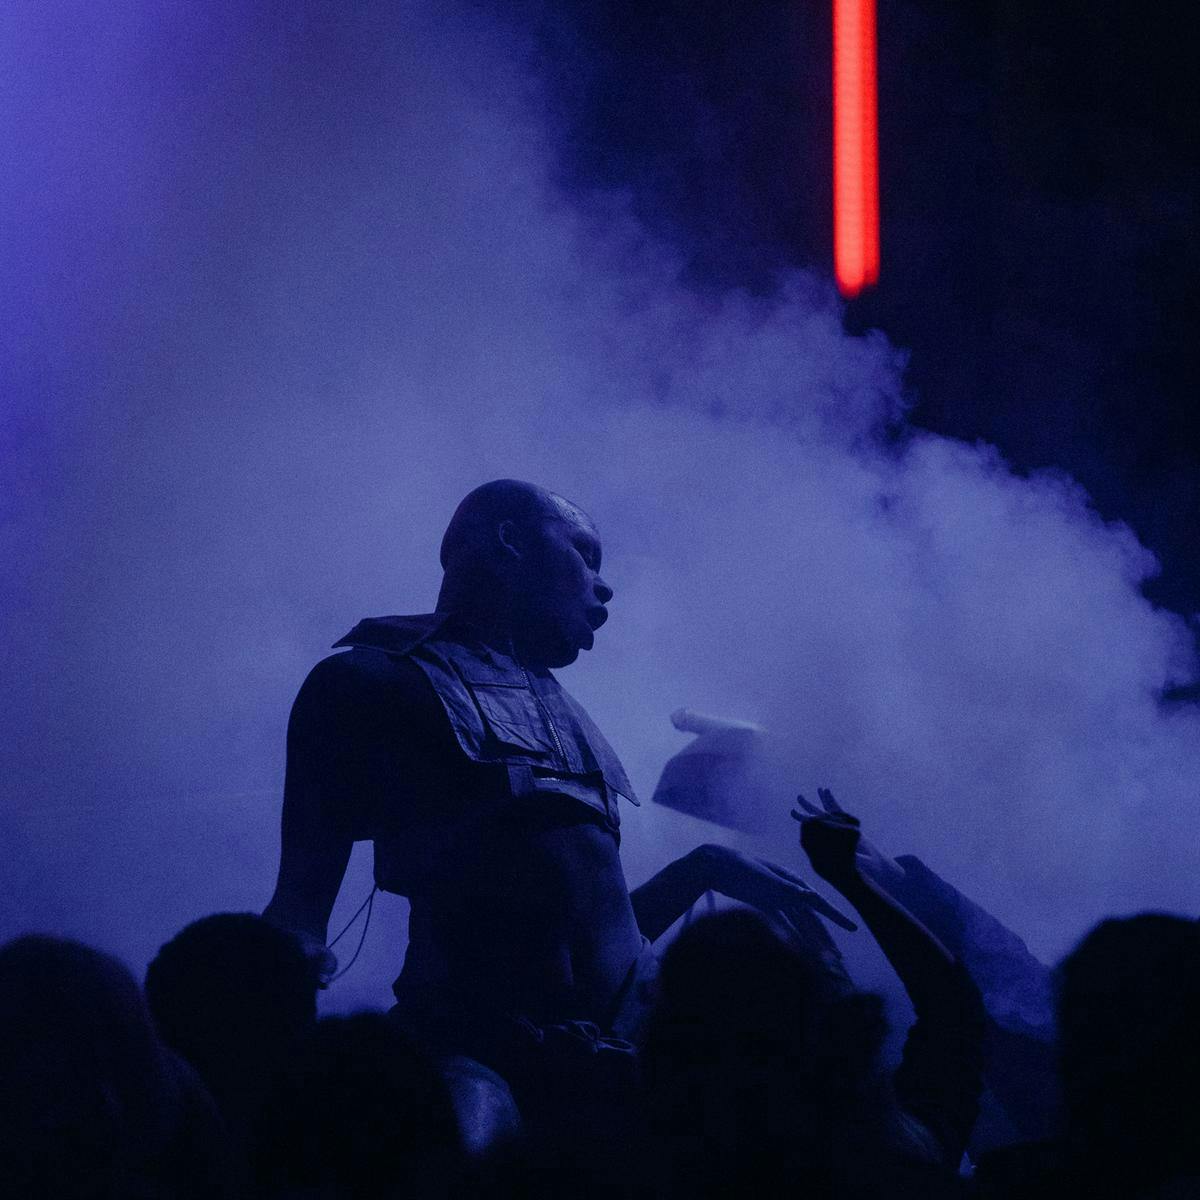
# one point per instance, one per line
(505, 713)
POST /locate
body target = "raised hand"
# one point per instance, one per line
(763, 885)
(830, 840)
(871, 862)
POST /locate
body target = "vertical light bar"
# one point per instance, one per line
(855, 147)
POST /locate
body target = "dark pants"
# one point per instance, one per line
(571, 1082)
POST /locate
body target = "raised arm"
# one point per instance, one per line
(940, 1077)
(665, 897)
(1019, 1061)
(831, 838)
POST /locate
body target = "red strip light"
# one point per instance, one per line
(855, 147)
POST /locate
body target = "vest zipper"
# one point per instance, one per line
(562, 758)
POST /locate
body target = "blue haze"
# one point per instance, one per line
(280, 285)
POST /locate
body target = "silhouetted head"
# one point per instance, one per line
(234, 995)
(87, 1095)
(751, 1057)
(360, 1113)
(525, 562)
(1129, 1030)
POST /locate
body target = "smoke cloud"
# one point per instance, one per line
(282, 283)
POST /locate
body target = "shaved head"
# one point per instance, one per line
(525, 561)
(469, 540)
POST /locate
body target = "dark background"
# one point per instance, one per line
(1038, 190)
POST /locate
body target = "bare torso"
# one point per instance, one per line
(538, 920)
(518, 907)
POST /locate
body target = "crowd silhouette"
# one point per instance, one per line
(759, 1067)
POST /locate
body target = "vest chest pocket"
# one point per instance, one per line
(511, 717)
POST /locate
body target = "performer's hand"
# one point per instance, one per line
(327, 965)
(323, 960)
(871, 861)
(762, 885)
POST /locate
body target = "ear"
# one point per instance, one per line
(512, 542)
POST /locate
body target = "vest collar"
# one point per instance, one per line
(394, 635)
(400, 635)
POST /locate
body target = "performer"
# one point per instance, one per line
(492, 800)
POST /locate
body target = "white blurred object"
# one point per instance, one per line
(688, 720)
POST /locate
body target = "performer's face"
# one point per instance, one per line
(561, 597)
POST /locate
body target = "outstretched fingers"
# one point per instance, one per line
(829, 807)
(818, 904)
(803, 929)
(786, 875)
(807, 809)
(830, 804)
(799, 896)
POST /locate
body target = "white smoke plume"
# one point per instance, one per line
(282, 283)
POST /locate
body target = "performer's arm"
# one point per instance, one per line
(315, 838)
(312, 862)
